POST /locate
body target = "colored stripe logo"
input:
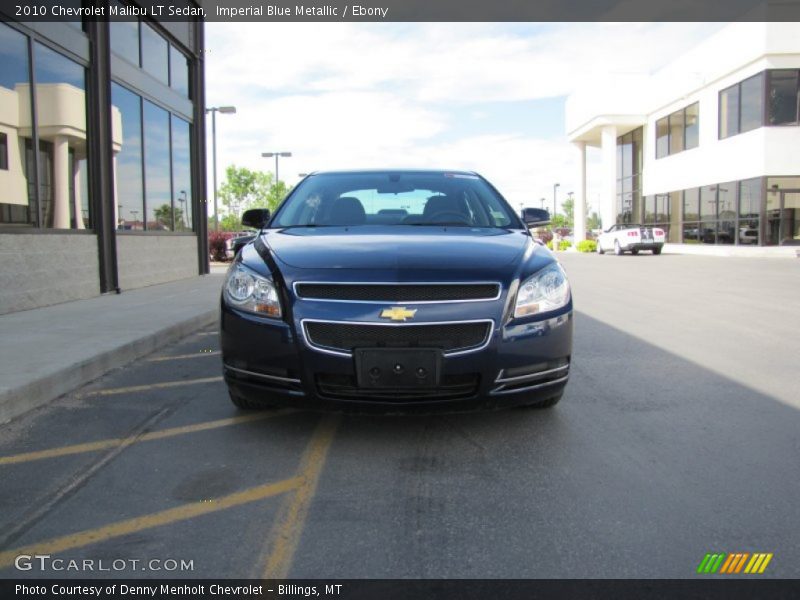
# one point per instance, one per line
(737, 562)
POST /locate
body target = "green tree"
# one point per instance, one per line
(244, 188)
(594, 221)
(558, 220)
(165, 214)
(568, 207)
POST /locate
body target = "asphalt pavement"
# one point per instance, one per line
(678, 435)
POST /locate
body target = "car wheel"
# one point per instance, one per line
(600, 248)
(247, 404)
(550, 402)
(656, 251)
(617, 248)
(634, 252)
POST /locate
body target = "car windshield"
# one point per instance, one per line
(395, 198)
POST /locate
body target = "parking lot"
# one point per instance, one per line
(678, 435)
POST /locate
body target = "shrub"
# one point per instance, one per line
(216, 244)
(587, 246)
(564, 245)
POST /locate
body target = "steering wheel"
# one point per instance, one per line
(459, 217)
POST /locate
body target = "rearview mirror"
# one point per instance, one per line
(535, 216)
(255, 217)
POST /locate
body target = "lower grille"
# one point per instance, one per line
(343, 387)
(449, 337)
(532, 377)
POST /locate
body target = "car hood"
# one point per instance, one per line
(396, 247)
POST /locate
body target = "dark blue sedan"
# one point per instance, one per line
(395, 289)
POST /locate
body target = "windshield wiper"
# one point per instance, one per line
(441, 224)
(299, 226)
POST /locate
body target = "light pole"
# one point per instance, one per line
(542, 200)
(182, 200)
(277, 155)
(555, 189)
(226, 110)
(566, 217)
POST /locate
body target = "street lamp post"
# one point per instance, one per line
(542, 200)
(182, 200)
(277, 155)
(226, 110)
(555, 189)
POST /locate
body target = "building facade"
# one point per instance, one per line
(708, 147)
(102, 157)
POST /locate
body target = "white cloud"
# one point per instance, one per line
(347, 95)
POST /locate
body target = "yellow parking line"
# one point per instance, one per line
(150, 386)
(183, 356)
(164, 517)
(288, 527)
(115, 442)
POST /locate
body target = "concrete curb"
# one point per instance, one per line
(17, 401)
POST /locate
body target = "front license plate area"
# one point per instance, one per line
(408, 368)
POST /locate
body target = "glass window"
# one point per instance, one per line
(729, 112)
(128, 159)
(691, 233)
(752, 103)
(676, 127)
(124, 37)
(178, 71)
(155, 54)
(662, 137)
(708, 232)
(60, 107)
(157, 176)
(692, 131)
(650, 209)
(708, 202)
(691, 204)
(4, 151)
(784, 97)
(750, 193)
(17, 201)
(726, 201)
(181, 174)
(662, 208)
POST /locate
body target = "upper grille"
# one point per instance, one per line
(450, 337)
(400, 292)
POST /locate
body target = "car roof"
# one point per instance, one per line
(392, 170)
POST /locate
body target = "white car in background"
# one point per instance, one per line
(627, 237)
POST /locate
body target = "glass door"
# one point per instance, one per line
(790, 218)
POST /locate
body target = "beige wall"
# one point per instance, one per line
(43, 269)
(150, 259)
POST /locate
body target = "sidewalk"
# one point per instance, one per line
(49, 351)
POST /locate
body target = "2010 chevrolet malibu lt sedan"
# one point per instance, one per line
(395, 289)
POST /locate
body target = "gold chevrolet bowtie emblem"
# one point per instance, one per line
(398, 313)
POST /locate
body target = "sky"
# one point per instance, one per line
(483, 97)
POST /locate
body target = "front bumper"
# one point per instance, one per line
(522, 362)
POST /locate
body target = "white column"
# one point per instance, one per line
(60, 183)
(579, 232)
(76, 184)
(116, 195)
(608, 191)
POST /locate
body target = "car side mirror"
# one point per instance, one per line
(535, 216)
(256, 217)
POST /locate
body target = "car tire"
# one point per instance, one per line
(548, 403)
(618, 249)
(600, 248)
(656, 251)
(247, 404)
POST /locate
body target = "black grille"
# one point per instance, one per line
(402, 292)
(447, 336)
(343, 387)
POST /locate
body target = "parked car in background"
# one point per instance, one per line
(626, 237)
(234, 244)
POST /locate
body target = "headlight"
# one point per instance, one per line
(247, 290)
(543, 292)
